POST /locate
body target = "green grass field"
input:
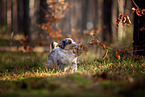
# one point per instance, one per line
(25, 75)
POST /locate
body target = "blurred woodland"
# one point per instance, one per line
(44, 21)
(111, 32)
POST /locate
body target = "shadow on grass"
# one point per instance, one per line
(44, 87)
(68, 85)
(15, 63)
(6, 42)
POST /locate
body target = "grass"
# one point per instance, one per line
(5, 39)
(25, 75)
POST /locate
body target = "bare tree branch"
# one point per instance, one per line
(135, 4)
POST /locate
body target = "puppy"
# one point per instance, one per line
(63, 58)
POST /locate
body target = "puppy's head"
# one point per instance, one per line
(65, 42)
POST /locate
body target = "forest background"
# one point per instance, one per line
(112, 30)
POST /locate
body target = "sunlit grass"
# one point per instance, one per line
(13, 63)
(27, 73)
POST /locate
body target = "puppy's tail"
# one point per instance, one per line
(53, 45)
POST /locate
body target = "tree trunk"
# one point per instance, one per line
(78, 15)
(15, 16)
(121, 33)
(139, 35)
(9, 17)
(26, 19)
(43, 7)
(32, 12)
(107, 21)
(73, 14)
(37, 10)
(65, 24)
(90, 15)
(20, 16)
(114, 17)
(84, 13)
(3, 11)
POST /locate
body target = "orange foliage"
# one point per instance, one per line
(79, 49)
(138, 11)
(125, 20)
(142, 28)
(54, 15)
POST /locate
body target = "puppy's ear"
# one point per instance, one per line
(62, 44)
(53, 45)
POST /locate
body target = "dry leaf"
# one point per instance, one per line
(124, 20)
(92, 33)
(143, 11)
(133, 10)
(93, 41)
(142, 28)
(84, 48)
(138, 12)
(70, 46)
(105, 54)
(79, 49)
(128, 22)
(104, 47)
(118, 56)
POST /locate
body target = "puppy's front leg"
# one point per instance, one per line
(61, 67)
(50, 64)
(74, 66)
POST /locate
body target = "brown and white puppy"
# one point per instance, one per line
(63, 58)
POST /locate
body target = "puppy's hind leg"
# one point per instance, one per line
(50, 64)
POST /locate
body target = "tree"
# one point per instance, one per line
(114, 16)
(43, 8)
(121, 33)
(3, 11)
(15, 15)
(26, 19)
(23, 17)
(20, 15)
(139, 35)
(107, 21)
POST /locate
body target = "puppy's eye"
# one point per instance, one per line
(69, 42)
